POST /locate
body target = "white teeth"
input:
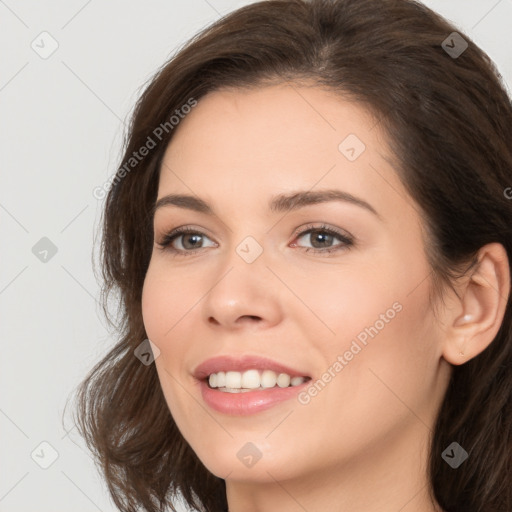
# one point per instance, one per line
(295, 381)
(221, 379)
(283, 380)
(233, 380)
(250, 379)
(238, 382)
(268, 379)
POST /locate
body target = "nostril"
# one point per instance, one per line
(250, 317)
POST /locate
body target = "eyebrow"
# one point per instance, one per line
(277, 204)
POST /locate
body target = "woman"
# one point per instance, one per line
(312, 226)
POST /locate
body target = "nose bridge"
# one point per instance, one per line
(249, 249)
(243, 288)
(246, 263)
(247, 235)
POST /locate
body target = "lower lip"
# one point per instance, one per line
(250, 402)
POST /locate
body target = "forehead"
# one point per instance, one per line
(240, 144)
(286, 119)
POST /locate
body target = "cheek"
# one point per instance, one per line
(162, 307)
(169, 303)
(379, 380)
(345, 304)
(162, 310)
(390, 358)
(379, 321)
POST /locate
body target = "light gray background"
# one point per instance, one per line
(61, 132)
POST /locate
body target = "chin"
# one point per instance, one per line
(244, 460)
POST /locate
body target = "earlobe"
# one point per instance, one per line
(483, 302)
(466, 319)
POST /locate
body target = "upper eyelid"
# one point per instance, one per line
(298, 231)
(174, 234)
(182, 230)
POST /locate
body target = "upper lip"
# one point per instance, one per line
(241, 364)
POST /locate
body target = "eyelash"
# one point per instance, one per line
(347, 241)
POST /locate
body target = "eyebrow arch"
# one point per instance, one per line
(279, 203)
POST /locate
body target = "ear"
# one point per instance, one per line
(478, 314)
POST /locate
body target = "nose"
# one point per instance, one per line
(246, 294)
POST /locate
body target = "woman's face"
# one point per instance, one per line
(355, 320)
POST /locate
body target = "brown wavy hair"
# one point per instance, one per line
(448, 121)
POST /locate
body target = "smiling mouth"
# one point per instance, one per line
(252, 380)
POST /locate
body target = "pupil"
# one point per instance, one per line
(325, 237)
(189, 237)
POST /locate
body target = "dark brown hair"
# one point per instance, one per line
(448, 121)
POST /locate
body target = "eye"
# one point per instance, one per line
(191, 240)
(321, 237)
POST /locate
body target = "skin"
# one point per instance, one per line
(360, 444)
